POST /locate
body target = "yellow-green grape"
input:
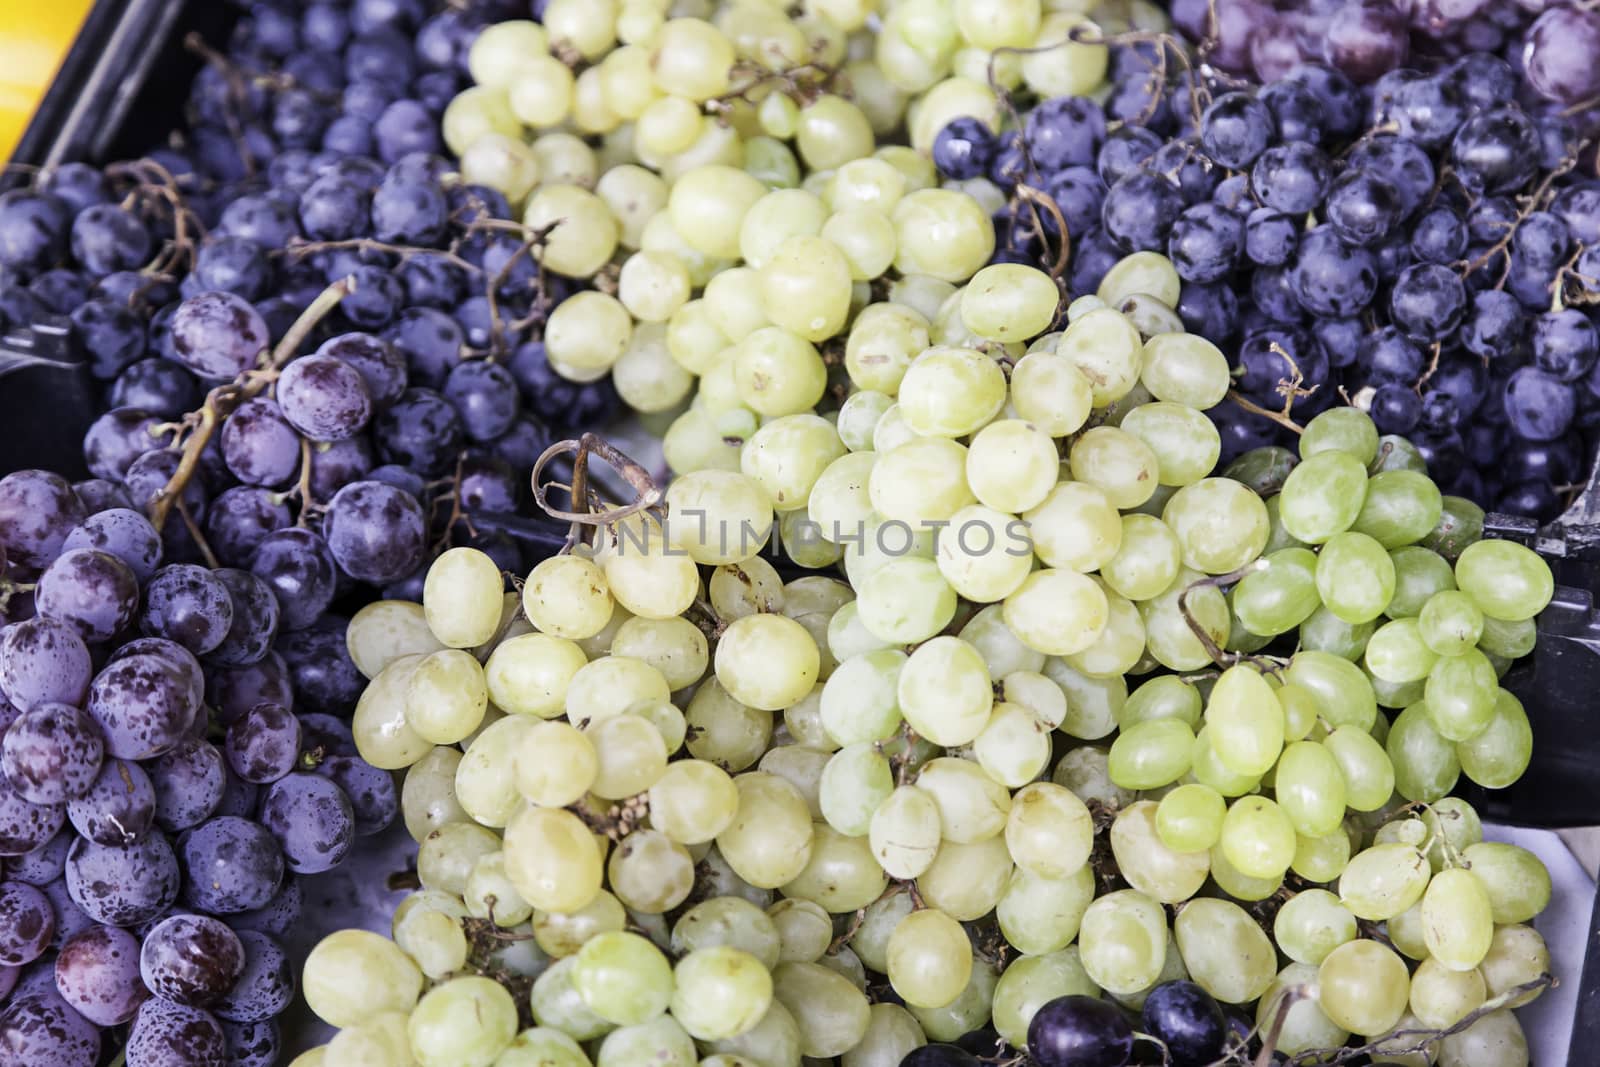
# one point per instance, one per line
(567, 596)
(1039, 915)
(1384, 881)
(1237, 885)
(707, 206)
(1299, 711)
(1398, 654)
(608, 686)
(1009, 302)
(622, 978)
(1310, 789)
(1321, 859)
(945, 691)
(720, 992)
(855, 783)
(1368, 774)
(858, 418)
(1168, 633)
(693, 801)
(1190, 817)
(788, 455)
(983, 554)
(383, 735)
(859, 701)
(719, 516)
(1450, 623)
(1279, 594)
(486, 781)
(1185, 442)
(490, 894)
(353, 976)
(446, 697)
(1049, 831)
(930, 959)
(904, 832)
(1059, 612)
(1051, 393)
(1303, 1026)
(543, 1047)
(1517, 956)
(1117, 462)
(967, 881)
(529, 674)
(1460, 695)
(951, 392)
(674, 647)
(1147, 559)
(1505, 580)
(1106, 348)
(803, 927)
(1209, 770)
(557, 1005)
(477, 112)
(1245, 720)
(650, 872)
(500, 50)
(1517, 883)
(1075, 527)
(943, 234)
(769, 841)
(1323, 496)
(1031, 982)
(1258, 838)
(767, 661)
(1148, 863)
(1005, 655)
(1311, 924)
(1165, 696)
(1221, 525)
(465, 1022)
(1014, 748)
(552, 859)
(1355, 576)
(805, 287)
(541, 91)
(1149, 755)
(1509, 640)
(428, 796)
(830, 1013)
(1182, 368)
(378, 1041)
(778, 372)
(447, 856)
(1225, 950)
(1150, 273)
(691, 58)
(1497, 755)
(1401, 508)
(724, 731)
(1342, 691)
(387, 630)
(883, 341)
(1441, 997)
(972, 806)
(1425, 763)
(950, 99)
(1122, 941)
(1363, 987)
(729, 921)
(776, 217)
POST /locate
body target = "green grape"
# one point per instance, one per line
(1225, 950)
(1245, 721)
(1011, 465)
(465, 1021)
(945, 691)
(769, 841)
(892, 1034)
(724, 731)
(951, 392)
(1147, 558)
(1517, 955)
(1220, 524)
(446, 697)
(1009, 302)
(1149, 755)
(1395, 453)
(486, 781)
(1321, 859)
(1209, 770)
(1162, 697)
(720, 992)
(1185, 442)
(1263, 469)
(1311, 924)
(1142, 272)
(1495, 1040)
(379, 1041)
(1394, 695)
(1310, 788)
(1170, 639)
(860, 700)
(1117, 462)
(460, 597)
(1405, 933)
(1148, 863)
(1258, 838)
(1364, 765)
(767, 661)
(557, 1004)
(830, 1014)
(1279, 594)
(383, 733)
(775, 1040)
(1396, 1046)
(448, 855)
(1500, 752)
(1057, 611)
(660, 1040)
(855, 782)
(1277, 537)
(1341, 429)
(1182, 368)
(1515, 880)
(1425, 763)
(650, 872)
(674, 647)
(1504, 579)
(1384, 881)
(1323, 496)
(1420, 573)
(940, 233)
(840, 874)
(1400, 509)
(1051, 393)
(1398, 654)
(1039, 915)
(353, 976)
(1107, 348)
(1189, 819)
(1092, 703)
(930, 959)
(1304, 1025)
(1237, 885)
(859, 415)
(1014, 748)
(562, 934)
(1172, 970)
(1075, 527)
(1456, 922)
(972, 806)
(1343, 693)
(1363, 987)
(1460, 695)
(982, 557)
(1122, 941)
(1509, 640)
(543, 1047)
(1323, 631)
(804, 929)
(1460, 525)
(1355, 576)
(630, 756)
(1004, 655)
(967, 881)
(1030, 983)
(1299, 711)
(969, 1011)
(622, 978)
(1049, 831)
(1452, 824)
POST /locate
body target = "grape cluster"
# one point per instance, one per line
(175, 754)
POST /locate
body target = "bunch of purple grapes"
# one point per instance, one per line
(1426, 248)
(175, 753)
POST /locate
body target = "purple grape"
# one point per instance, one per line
(118, 808)
(189, 605)
(143, 705)
(1366, 38)
(1428, 302)
(71, 920)
(240, 519)
(93, 590)
(43, 660)
(1188, 1021)
(117, 438)
(166, 1034)
(158, 386)
(97, 972)
(99, 495)
(234, 866)
(174, 655)
(106, 238)
(325, 677)
(259, 445)
(1236, 129)
(44, 864)
(420, 430)
(382, 368)
(191, 959)
(52, 753)
(312, 819)
(335, 465)
(264, 744)
(265, 985)
(1496, 151)
(125, 534)
(374, 799)
(485, 398)
(375, 532)
(42, 1030)
(37, 511)
(326, 735)
(253, 1044)
(218, 335)
(189, 781)
(278, 916)
(123, 885)
(24, 825)
(255, 619)
(1539, 406)
(27, 923)
(1558, 56)
(940, 1055)
(148, 476)
(324, 398)
(1080, 1031)
(239, 798)
(300, 570)
(1331, 278)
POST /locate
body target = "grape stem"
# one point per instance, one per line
(1265, 664)
(647, 494)
(223, 399)
(238, 96)
(532, 239)
(153, 181)
(1529, 203)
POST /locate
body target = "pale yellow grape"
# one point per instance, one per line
(1147, 559)
(831, 132)
(477, 112)
(1441, 997)
(945, 691)
(1105, 347)
(691, 58)
(1014, 748)
(375, 1043)
(500, 162)
(1162, 697)
(626, 83)
(930, 959)
(465, 1022)
(556, 1004)
(1003, 654)
(1044, 700)
(1040, 915)
(1237, 885)
(841, 874)
(971, 1008)
(675, 647)
(552, 859)
(650, 872)
(1048, 830)
(776, 217)
(839, 501)
(769, 841)
(636, 197)
(1150, 273)
(428, 795)
(740, 589)
(983, 554)
(1517, 955)
(766, 661)
(860, 701)
(1148, 864)
(1456, 919)
(693, 801)
(1122, 941)
(904, 832)
(921, 481)
(382, 731)
(486, 781)
(723, 730)
(630, 756)
(854, 784)
(882, 342)
(446, 697)
(1184, 368)
(1059, 612)
(1011, 466)
(501, 49)
(871, 184)
(1321, 859)
(967, 881)
(719, 517)
(1225, 950)
(788, 455)
(1083, 771)
(778, 372)
(694, 339)
(1246, 720)
(541, 91)
(1304, 1025)
(1190, 817)
(1118, 463)
(645, 573)
(652, 286)
(916, 44)
(1221, 524)
(1009, 302)
(775, 1039)
(972, 806)
(529, 674)
(354, 975)
(1363, 987)
(943, 234)
(543, 1047)
(1258, 838)
(1049, 391)
(448, 854)
(1075, 527)
(590, 112)
(892, 1034)
(387, 630)
(720, 992)
(609, 686)
(805, 287)
(1311, 924)
(490, 894)
(1383, 881)
(859, 416)
(951, 392)
(804, 929)
(1030, 983)
(1063, 68)
(589, 29)
(1092, 703)
(831, 1014)
(708, 204)
(730, 921)
(1185, 441)
(586, 235)
(668, 125)
(622, 978)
